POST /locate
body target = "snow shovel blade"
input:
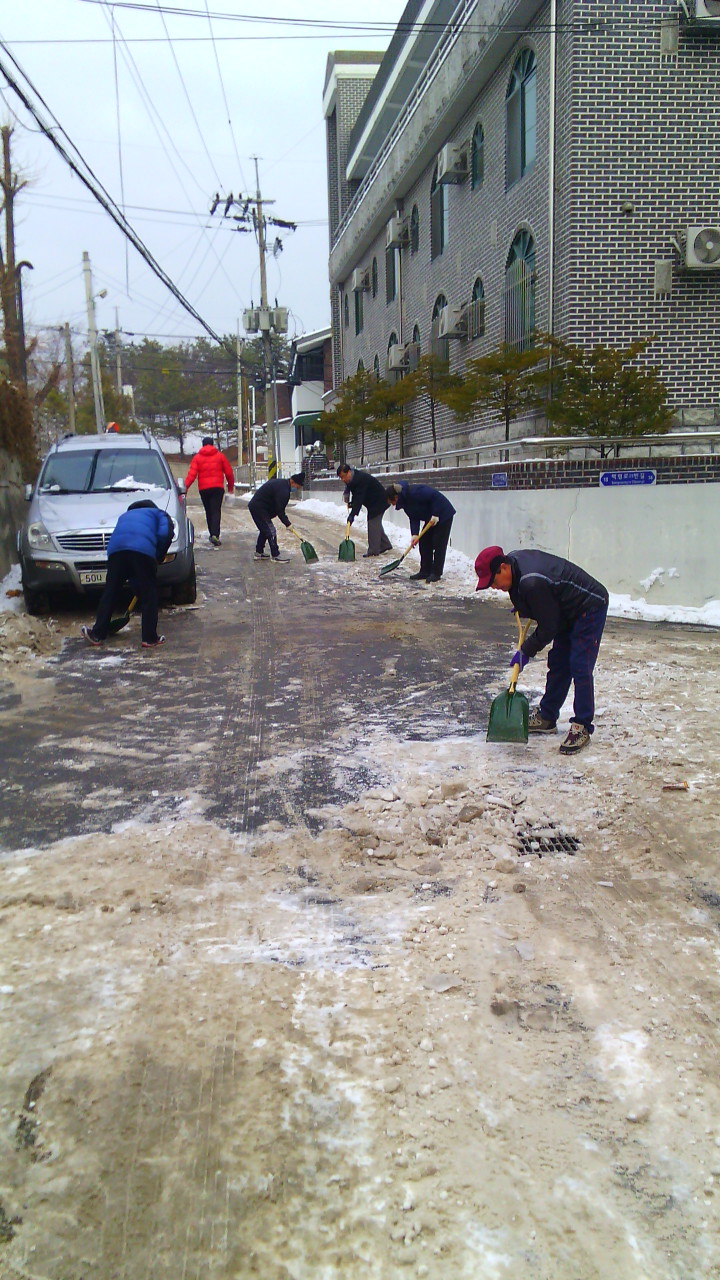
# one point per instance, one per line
(309, 554)
(508, 720)
(117, 624)
(346, 550)
(388, 568)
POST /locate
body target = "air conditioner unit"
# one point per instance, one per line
(396, 232)
(396, 358)
(360, 280)
(412, 356)
(452, 164)
(251, 320)
(702, 248)
(707, 11)
(452, 323)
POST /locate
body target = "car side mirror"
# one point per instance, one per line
(181, 486)
(27, 492)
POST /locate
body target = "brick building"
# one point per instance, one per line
(517, 163)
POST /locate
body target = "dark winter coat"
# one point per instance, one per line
(143, 528)
(271, 500)
(553, 591)
(366, 491)
(420, 502)
(211, 468)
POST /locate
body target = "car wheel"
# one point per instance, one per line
(186, 592)
(36, 602)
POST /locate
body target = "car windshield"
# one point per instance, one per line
(103, 470)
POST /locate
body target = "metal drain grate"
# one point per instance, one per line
(541, 843)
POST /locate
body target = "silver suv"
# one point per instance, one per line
(85, 484)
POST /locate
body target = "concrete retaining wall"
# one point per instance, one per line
(12, 510)
(655, 541)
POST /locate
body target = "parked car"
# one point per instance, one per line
(85, 484)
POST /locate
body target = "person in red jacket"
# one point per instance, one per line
(212, 470)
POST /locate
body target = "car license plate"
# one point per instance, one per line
(92, 577)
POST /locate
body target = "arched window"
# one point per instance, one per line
(440, 347)
(346, 311)
(360, 366)
(520, 292)
(520, 118)
(358, 310)
(414, 229)
(477, 157)
(374, 276)
(476, 312)
(391, 274)
(416, 336)
(376, 367)
(438, 216)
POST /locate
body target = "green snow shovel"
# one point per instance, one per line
(346, 550)
(395, 563)
(309, 553)
(117, 624)
(509, 712)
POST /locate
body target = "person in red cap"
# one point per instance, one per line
(570, 609)
(212, 470)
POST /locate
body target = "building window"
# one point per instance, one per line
(414, 230)
(346, 311)
(476, 314)
(520, 111)
(358, 310)
(416, 336)
(390, 274)
(438, 216)
(477, 157)
(520, 292)
(439, 347)
(374, 276)
(360, 367)
(376, 367)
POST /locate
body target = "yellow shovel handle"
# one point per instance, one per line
(422, 531)
(294, 530)
(347, 531)
(515, 668)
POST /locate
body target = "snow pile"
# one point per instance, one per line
(11, 600)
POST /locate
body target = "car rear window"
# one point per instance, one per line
(101, 470)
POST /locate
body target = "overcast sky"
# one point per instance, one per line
(167, 109)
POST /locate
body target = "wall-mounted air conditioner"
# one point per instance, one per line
(452, 164)
(360, 280)
(412, 356)
(702, 248)
(452, 323)
(707, 11)
(396, 232)
(396, 358)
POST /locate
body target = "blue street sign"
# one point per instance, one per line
(499, 480)
(627, 477)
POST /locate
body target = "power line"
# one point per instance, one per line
(93, 185)
(222, 86)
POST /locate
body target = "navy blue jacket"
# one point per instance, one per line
(146, 530)
(271, 500)
(553, 591)
(366, 491)
(420, 502)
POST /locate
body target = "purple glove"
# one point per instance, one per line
(520, 658)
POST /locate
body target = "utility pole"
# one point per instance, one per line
(118, 357)
(92, 335)
(10, 282)
(270, 417)
(70, 379)
(241, 409)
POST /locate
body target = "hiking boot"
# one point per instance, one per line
(153, 644)
(536, 723)
(90, 636)
(261, 555)
(414, 577)
(577, 738)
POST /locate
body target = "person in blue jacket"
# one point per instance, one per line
(421, 503)
(138, 544)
